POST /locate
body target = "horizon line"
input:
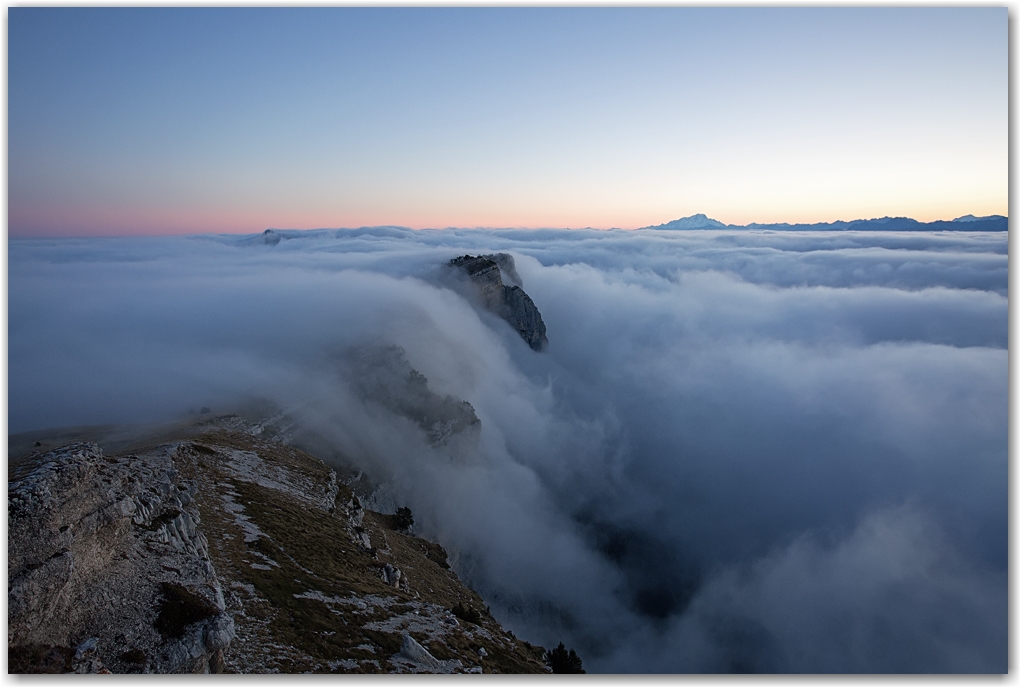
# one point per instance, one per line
(54, 234)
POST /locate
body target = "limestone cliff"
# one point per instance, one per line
(225, 551)
(509, 301)
(382, 374)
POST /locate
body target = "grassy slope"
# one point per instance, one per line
(314, 553)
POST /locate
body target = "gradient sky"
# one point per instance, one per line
(188, 120)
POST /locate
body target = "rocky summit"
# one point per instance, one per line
(508, 301)
(225, 551)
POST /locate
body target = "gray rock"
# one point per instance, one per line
(415, 653)
(110, 567)
(219, 632)
(86, 659)
(509, 301)
(391, 575)
(507, 268)
(269, 237)
(90, 540)
(382, 374)
(521, 313)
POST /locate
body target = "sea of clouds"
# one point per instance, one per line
(742, 451)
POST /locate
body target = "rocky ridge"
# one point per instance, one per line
(226, 551)
(508, 301)
(382, 374)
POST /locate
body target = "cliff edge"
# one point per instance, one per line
(509, 301)
(226, 551)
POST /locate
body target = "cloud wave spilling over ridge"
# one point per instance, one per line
(742, 451)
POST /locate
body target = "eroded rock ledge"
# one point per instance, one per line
(509, 301)
(228, 552)
(106, 552)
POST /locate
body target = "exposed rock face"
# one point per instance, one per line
(382, 374)
(269, 237)
(507, 268)
(93, 543)
(416, 659)
(227, 552)
(508, 301)
(521, 313)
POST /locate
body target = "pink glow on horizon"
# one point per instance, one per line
(93, 221)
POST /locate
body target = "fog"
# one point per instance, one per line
(741, 451)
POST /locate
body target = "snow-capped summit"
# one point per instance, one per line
(698, 221)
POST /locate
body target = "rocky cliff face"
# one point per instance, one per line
(107, 552)
(377, 375)
(509, 301)
(225, 551)
(382, 374)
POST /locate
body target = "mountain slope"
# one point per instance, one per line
(698, 221)
(225, 551)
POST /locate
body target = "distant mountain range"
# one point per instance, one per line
(965, 223)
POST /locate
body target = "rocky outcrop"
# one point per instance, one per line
(382, 374)
(226, 551)
(269, 237)
(106, 552)
(415, 658)
(509, 301)
(507, 268)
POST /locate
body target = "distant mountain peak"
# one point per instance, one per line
(887, 219)
(964, 223)
(698, 221)
(972, 218)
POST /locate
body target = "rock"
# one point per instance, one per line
(391, 575)
(382, 374)
(86, 658)
(218, 633)
(508, 301)
(522, 314)
(507, 268)
(415, 653)
(224, 552)
(91, 539)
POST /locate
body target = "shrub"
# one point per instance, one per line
(466, 613)
(403, 518)
(563, 661)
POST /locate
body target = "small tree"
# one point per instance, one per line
(403, 518)
(563, 661)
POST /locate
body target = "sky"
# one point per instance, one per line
(741, 450)
(163, 121)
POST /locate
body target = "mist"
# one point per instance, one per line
(742, 451)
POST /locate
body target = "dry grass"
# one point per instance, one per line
(307, 552)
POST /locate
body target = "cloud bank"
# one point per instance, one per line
(742, 451)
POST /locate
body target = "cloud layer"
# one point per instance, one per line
(742, 451)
